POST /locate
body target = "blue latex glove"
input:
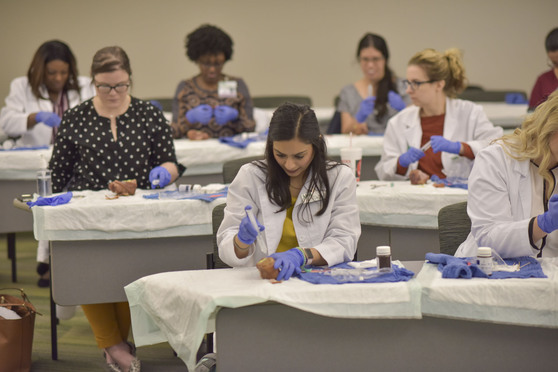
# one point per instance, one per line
(412, 155)
(200, 114)
(159, 177)
(288, 263)
(247, 234)
(548, 221)
(515, 99)
(48, 118)
(156, 104)
(439, 143)
(224, 114)
(365, 109)
(52, 200)
(396, 101)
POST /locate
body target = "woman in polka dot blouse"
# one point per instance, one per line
(113, 136)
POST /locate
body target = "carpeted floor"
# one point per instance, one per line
(77, 350)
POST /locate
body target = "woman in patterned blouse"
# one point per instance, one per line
(211, 104)
(113, 136)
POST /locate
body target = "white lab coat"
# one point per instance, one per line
(21, 102)
(334, 234)
(499, 205)
(465, 121)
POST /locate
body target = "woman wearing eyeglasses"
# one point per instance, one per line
(547, 82)
(211, 104)
(37, 101)
(368, 104)
(439, 135)
(113, 136)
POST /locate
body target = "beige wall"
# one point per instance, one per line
(284, 46)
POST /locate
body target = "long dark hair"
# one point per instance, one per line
(388, 81)
(292, 121)
(47, 52)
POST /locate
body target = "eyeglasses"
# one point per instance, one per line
(217, 65)
(416, 84)
(118, 88)
(374, 60)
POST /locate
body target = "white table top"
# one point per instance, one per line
(400, 204)
(89, 215)
(200, 157)
(158, 302)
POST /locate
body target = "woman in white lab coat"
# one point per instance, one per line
(307, 203)
(454, 129)
(513, 201)
(36, 102)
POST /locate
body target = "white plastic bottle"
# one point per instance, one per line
(44, 179)
(484, 259)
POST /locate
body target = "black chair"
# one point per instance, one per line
(213, 260)
(479, 95)
(231, 167)
(454, 226)
(165, 102)
(334, 126)
(276, 101)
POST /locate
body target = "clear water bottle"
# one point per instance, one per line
(44, 179)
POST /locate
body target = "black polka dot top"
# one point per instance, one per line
(86, 156)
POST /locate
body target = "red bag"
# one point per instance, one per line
(16, 335)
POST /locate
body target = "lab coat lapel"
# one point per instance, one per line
(272, 220)
(412, 131)
(520, 191)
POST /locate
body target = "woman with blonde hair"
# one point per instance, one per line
(513, 201)
(440, 134)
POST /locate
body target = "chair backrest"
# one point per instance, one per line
(454, 226)
(478, 95)
(334, 126)
(231, 167)
(276, 101)
(165, 102)
(217, 216)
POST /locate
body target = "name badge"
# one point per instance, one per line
(227, 89)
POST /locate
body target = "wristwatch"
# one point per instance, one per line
(309, 256)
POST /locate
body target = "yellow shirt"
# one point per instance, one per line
(288, 238)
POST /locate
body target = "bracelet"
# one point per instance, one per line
(238, 246)
(303, 255)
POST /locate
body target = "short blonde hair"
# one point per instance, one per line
(447, 66)
(532, 140)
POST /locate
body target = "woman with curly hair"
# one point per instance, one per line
(211, 104)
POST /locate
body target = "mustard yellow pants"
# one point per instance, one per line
(110, 322)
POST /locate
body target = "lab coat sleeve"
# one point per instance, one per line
(13, 117)
(242, 192)
(343, 229)
(496, 220)
(483, 130)
(395, 144)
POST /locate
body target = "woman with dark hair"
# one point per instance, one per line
(547, 82)
(37, 101)
(439, 134)
(307, 202)
(113, 136)
(367, 105)
(211, 104)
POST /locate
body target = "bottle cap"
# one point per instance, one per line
(484, 251)
(44, 164)
(383, 250)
